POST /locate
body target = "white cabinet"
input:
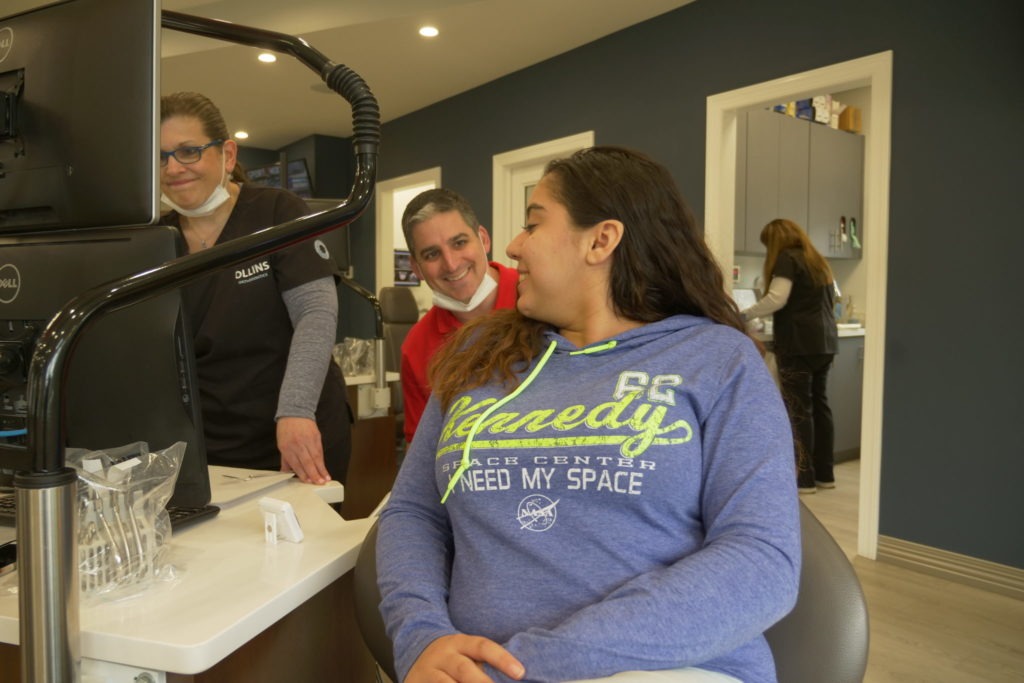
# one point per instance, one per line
(836, 192)
(809, 173)
(771, 174)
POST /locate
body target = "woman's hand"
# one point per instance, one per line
(459, 658)
(302, 450)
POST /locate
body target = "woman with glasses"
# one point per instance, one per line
(601, 484)
(264, 330)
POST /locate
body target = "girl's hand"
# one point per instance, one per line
(459, 658)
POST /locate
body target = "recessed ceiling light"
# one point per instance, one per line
(241, 135)
(267, 57)
(429, 31)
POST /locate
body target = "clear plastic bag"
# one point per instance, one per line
(355, 356)
(123, 526)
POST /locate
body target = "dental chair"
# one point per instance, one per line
(400, 312)
(824, 639)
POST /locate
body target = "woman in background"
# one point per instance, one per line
(602, 481)
(801, 295)
(264, 330)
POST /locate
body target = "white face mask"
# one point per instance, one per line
(219, 195)
(487, 285)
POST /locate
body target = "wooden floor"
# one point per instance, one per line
(924, 629)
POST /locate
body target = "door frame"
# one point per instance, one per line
(874, 72)
(386, 191)
(515, 170)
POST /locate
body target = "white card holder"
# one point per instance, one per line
(279, 521)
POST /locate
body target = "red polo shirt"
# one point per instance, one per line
(426, 336)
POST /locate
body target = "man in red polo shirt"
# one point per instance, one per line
(449, 252)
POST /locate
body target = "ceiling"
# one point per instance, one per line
(280, 103)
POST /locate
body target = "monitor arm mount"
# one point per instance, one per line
(45, 487)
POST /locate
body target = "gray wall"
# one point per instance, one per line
(952, 460)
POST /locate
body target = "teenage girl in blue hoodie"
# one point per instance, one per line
(602, 483)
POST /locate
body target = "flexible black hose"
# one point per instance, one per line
(365, 111)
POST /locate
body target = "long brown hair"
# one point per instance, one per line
(781, 234)
(200, 107)
(662, 266)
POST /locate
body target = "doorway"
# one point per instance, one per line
(392, 197)
(873, 72)
(514, 174)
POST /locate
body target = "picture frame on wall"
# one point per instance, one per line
(404, 276)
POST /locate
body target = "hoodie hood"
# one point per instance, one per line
(630, 339)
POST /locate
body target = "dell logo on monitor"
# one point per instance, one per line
(10, 283)
(6, 42)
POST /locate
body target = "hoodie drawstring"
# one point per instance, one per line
(466, 461)
(595, 349)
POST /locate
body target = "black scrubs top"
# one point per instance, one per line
(806, 325)
(242, 336)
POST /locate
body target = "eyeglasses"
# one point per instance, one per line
(187, 155)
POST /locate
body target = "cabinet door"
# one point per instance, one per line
(845, 389)
(762, 181)
(772, 175)
(794, 168)
(835, 191)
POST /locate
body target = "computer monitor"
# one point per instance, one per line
(132, 374)
(267, 174)
(404, 275)
(744, 298)
(299, 180)
(79, 143)
(78, 115)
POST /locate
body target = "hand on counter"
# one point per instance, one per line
(298, 439)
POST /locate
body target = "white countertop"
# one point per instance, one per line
(844, 330)
(369, 378)
(233, 585)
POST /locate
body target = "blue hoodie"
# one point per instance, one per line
(632, 506)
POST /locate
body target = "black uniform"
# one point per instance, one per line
(242, 336)
(805, 341)
(806, 325)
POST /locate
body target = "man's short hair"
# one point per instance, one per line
(430, 203)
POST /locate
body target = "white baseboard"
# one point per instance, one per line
(990, 576)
